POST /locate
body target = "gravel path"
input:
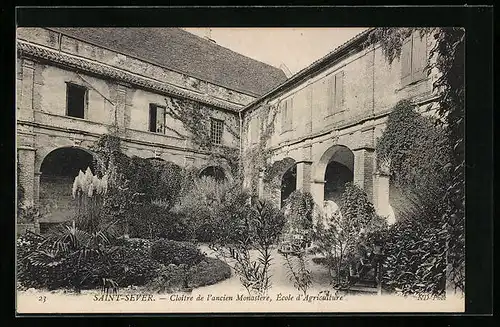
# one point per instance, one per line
(279, 276)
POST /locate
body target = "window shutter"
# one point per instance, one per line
(289, 113)
(284, 114)
(406, 62)
(331, 95)
(419, 56)
(339, 91)
(152, 118)
(160, 120)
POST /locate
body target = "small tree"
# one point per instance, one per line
(336, 235)
(253, 226)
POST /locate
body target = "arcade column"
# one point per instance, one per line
(363, 169)
(304, 176)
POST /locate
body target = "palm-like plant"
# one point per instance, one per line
(78, 248)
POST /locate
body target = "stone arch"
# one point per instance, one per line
(43, 153)
(332, 171)
(274, 176)
(58, 168)
(215, 171)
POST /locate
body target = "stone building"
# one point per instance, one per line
(74, 84)
(324, 121)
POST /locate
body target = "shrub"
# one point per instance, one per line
(39, 266)
(204, 205)
(208, 272)
(252, 226)
(419, 155)
(337, 235)
(151, 221)
(415, 258)
(173, 252)
(171, 277)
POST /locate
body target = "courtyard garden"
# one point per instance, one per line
(151, 225)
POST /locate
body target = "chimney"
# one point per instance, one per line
(208, 35)
(285, 70)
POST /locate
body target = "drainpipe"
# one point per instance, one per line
(241, 138)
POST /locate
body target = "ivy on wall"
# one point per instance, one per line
(447, 58)
(195, 118)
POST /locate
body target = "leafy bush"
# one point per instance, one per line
(256, 225)
(205, 204)
(337, 235)
(172, 277)
(415, 258)
(151, 221)
(418, 152)
(173, 252)
(40, 266)
(208, 272)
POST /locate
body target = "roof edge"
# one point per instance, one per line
(312, 68)
(246, 92)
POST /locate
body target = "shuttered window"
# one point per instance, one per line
(413, 59)
(157, 119)
(286, 114)
(339, 91)
(336, 93)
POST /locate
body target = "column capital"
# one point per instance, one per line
(304, 162)
(26, 147)
(28, 63)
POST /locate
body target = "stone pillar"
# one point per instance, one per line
(304, 176)
(36, 188)
(318, 194)
(120, 107)
(261, 185)
(26, 157)
(381, 192)
(363, 170)
(25, 103)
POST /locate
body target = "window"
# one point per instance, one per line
(336, 92)
(157, 119)
(76, 98)
(413, 59)
(216, 127)
(286, 114)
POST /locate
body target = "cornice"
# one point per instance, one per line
(95, 68)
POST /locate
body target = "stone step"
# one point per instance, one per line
(362, 289)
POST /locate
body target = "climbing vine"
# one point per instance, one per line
(257, 157)
(196, 120)
(447, 57)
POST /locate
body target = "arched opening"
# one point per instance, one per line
(280, 180)
(288, 183)
(214, 172)
(338, 163)
(58, 171)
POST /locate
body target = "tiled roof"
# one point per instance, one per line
(178, 50)
(28, 49)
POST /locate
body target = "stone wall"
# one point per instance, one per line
(69, 45)
(371, 86)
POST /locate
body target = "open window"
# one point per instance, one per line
(76, 100)
(157, 119)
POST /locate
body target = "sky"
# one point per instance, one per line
(297, 48)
